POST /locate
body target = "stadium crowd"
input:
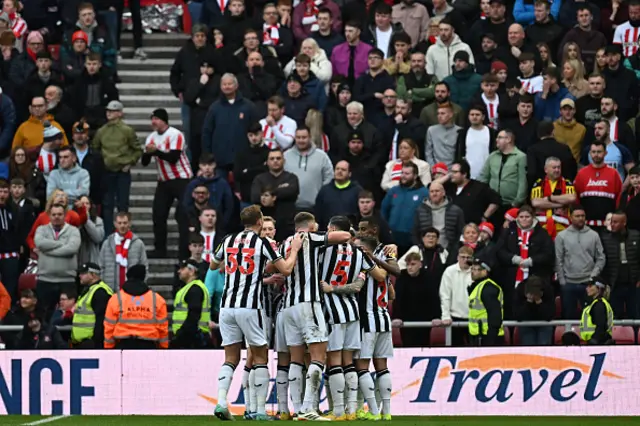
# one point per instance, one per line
(500, 131)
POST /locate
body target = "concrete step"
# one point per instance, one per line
(144, 76)
(143, 89)
(149, 64)
(144, 175)
(172, 250)
(148, 102)
(146, 213)
(154, 52)
(142, 124)
(143, 111)
(156, 39)
(143, 227)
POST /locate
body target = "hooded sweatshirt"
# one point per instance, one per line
(440, 56)
(571, 134)
(579, 255)
(75, 182)
(441, 144)
(313, 169)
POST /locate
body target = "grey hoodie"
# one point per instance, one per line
(313, 169)
(441, 144)
(75, 182)
(58, 254)
(579, 255)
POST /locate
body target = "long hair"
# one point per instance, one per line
(578, 68)
(565, 51)
(52, 197)
(24, 170)
(314, 121)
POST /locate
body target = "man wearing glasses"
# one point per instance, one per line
(30, 134)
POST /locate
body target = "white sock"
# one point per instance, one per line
(225, 375)
(368, 390)
(312, 383)
(360, 398)
(351, 388)
(295, 386)
(260, 386)
(327, 389)
(337, 390)
(245, 388)
(282, 388)
(384, 386)
(378, 397)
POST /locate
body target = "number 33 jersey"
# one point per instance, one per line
(341, 264)
(374, 301)
(245, 255)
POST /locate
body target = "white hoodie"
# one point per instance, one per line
(440, 56)
(454, 297)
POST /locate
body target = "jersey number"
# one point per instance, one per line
(247, 257)
(340, 272)
(382, 288)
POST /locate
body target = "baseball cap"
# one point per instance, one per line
(89, 268)
(613, 49)
(115, 106)
(481, 263)
(189, 263)
(567, 102)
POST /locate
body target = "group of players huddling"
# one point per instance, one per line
(326, 295)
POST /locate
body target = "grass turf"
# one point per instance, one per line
(397, 421)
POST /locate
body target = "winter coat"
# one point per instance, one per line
(35, 86)
(508, 178)
(7, 125)
(320, 67)
(92, 108)
(220, 196)
(372, 138)
(118, 144)
(549, 32)
(422, 89)
(454, 223)
(333, 201)
(100, 42)
(367, 86)
(297, 108)
(611, 245)
(110, 269)
(57, 256)
(316, 90)
(75, 182)
(64, 115)
(440, 56)
(365, 171)
(424, 173)
(269, 57)
(340, 59)
(22, 66)
(588, 41)
(186, 66)
(549, 109)
(258, 88)
(524, 310)
(464, 85)
(92, 236)
(248, 164)
(622, 86)
(399, 208)
(545, 148)
(200, 97)
(72, 65)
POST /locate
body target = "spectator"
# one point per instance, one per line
(583, 32)
(546, 147)
(69, 176)
(284, 186)
(192, 309)
(380, 35)
(622, 84)
(475, 142)
(441, 56)
(312, 167)
(88, 318)
(371, 219)
(25, 63)
(36, 335)
(406, 127)
(310, 82)
(7, 126)
(496, 105)
(488, 53)
(57, 245)
(400, 204)
(495, 23)
(17, 25)
(226, 123)
(629, 199)
(73, 217)
(197, 252)
(91, 234)
(235, 25)
(251, 162)
(429, 114)
(419, 281)
(348, 58)
(89, 160)
(573, 77)
(212, 235)
(567, 131)
(588, 106)
(305, 17)
(12, 233)
(552, 196)
(336, 113)
(198, 200)
(25, 208)
(297, 101)
(619, 131)
(72, 60)
(251, 44)
(121, 251)
(326, 37)
(439, 212)
(545, 29)
(30, 134)
(429, 249)
(43, 76)
(407, 152)
(532, 83)
(220, 196)
(445, 12)
(617, 155)
(257, 85)
(525, 14)
(579, 258)
(524, 127)
(339, 197)
(516, 38)
(211, 12)
(547, 104)
(63, 315)
(621, 36)
(59, 110)
(464, 82)
(417, 85)
(363, 164)
(7, 42)
(535, 301)
(367, 133)
(524, 249)
(320, 66)
(454, 297)
(414, 19)
(369, 87)
(442, 138)
(622, 265)
(385, 117)
(276, 36)
(475, 199)
(25, 308)
(505, 171)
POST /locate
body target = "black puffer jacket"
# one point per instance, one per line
(186, 66)
(454, 223)
(611, 244)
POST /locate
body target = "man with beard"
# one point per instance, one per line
(496, 24)
(59, 110)
(90, 160)
(622, 84)
(476, 199)
(488, 53)
(417, 84)
(406, 127)
(429, 114)
(348, 58)
(257, 85)
(617, 155)
(440, 56)
(627, 34)
(588, 106)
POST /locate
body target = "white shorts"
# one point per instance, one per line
(280, 344)
(266, 324)
(344, 337)
(304, 324)
(376, 345)
(239, 323)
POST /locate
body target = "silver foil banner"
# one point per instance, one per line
(166, 18)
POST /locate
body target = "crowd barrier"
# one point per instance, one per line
(557, 381)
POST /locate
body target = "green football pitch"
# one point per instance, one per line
(397, 421)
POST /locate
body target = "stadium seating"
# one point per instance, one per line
(623, 335)
(438, 336)
(558, 308)
(397, 337)
(559, 331)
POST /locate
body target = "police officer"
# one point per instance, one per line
(485, 307)
(192, 309)
(596, 324)
(88, 319)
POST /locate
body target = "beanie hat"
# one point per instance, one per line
(162, 114)
(511, 214)
(439, 168)
(343, 87)
(43, 54)
(486, 227)
(80, 35)
(51, 133)
(35, 36)
(462, 56)
(498, 66)
(137, 272)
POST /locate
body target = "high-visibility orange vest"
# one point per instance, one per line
(136, 317)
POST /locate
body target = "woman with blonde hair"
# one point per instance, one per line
(573, 78)
(320, 64)
(407, 151)
(314, 121)
(470, 235)
(76, 217)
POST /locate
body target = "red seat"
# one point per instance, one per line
(623, 335)
(27, 281)
(397, 337)
(559, 331)
(507, 336)
(558, 308)
(516, 336)
(54, 49)
(438, 337)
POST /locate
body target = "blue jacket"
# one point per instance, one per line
(399, 207)
(225, 128)
(214, 282)
(7, 125)
(315, 88)
(523, 11)
(220, 196)
(549, 109)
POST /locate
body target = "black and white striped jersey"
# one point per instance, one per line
(341, 265)
(245, 255)
(374, 300)
(303, 285)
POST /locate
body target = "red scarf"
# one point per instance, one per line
(122, 253)
(396, 171)
(270, 35)
(31, 54)
(523, 242)
(311, 10)
(546, 192)
(46, 161)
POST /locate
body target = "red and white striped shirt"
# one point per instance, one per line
(396, 171)
(18, 26)
(627, 36)
(325, 143)
(209, 248)
(46, 161)
(613, 129)
(492, 110)
(282, 134)
(172, 139)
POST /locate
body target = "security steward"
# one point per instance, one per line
(596, 324)
(136, 316)
(191, 309)
(87, 330)
(485, 307)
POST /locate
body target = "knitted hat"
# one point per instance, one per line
(51, 133)
(343, 87)
(498, 66)
(486, 227)
(511, 214)
(35, 37)
(355, 136)
(137, 272)
(439, 168)
(461, 55)
(80, 35)
(162, 114)
(43, 54)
